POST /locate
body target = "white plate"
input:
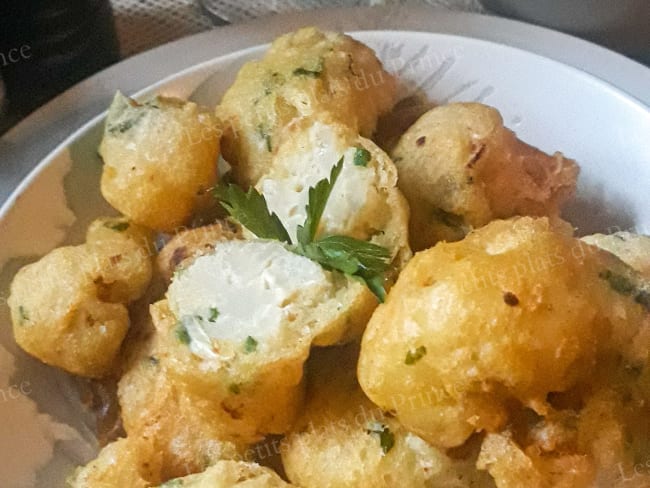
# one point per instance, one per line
(549, 104)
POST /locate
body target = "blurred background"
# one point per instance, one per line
(47, 46)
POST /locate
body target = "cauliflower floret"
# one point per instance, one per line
(68, 309)
(159, 157)
(460, 168)
(304, 73)
(237, 326)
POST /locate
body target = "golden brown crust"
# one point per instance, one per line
(304, 73)
(68, 309)
(460, 168)
(159, 158)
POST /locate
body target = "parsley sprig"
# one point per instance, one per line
(361, 259)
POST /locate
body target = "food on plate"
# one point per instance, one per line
(159, 157)
(365, 202)
(69, 308)
(343, 440)
(522, 325)
(285, 322)
(460, 167)
(304, 73)
(230, 474)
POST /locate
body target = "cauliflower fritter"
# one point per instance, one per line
(365, 202)
(126, 462)
(231, 474)
(304, 73)
(238, 325)
(459, 168)
(343, 440)
(185, 431)
(69, 308)
(502, 318)
(159, 157)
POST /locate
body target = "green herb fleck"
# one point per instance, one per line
(361, 157)
(125, 125)
(214, 313)
(447, 218)
(22, 312)
(386, 437)
(313, 73)
(624, 286)
(182, 335)
(251, 211)
(117, 226)
(154, 361)
(414, 355)
(234, 388)
(250, 345)
(619, 283)
(643, 299)
(263, 133)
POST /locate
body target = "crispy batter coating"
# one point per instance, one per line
(508, 315)
(304, 73)
(246, 400)
(68, 309)
(181, 250)
(231, 474)
(343, 440)
(159, 157)
(526, 333)
(126, 462)
(185, 431)
(460, 168)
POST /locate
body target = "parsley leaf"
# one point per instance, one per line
(251, 211)
(414, 355)
(361, 157)
(214, 313)
(386, 437)
(353, 257)
(182, 335)
(250, 345)
(318, 196)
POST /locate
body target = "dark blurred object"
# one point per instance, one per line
(47, 46)
(621, 25)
